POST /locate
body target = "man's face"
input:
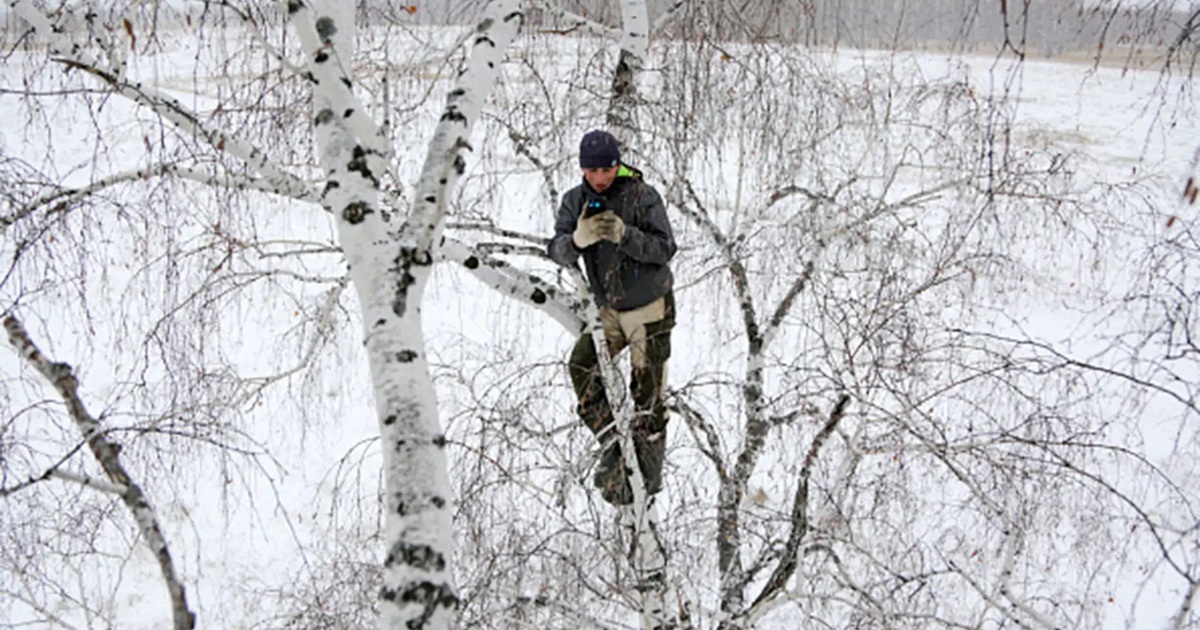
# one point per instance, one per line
(600, 178)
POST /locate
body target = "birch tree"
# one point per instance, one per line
(389, 249)
(865, 433)
(884, 380)
(875, 456)
(390, 267)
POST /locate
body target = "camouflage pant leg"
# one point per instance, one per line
(647, 387)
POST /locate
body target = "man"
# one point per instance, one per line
(618, 224)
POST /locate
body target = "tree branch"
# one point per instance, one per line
(107, 453)
(698, 423)
(575, 21)
(170, 109)
(331, 77)
(64, 198)
(799, 520)
(445, 161)
(526, 287)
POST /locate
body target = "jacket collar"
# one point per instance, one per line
(625, 174)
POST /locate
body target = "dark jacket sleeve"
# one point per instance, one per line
(562, 249)
(651, 240)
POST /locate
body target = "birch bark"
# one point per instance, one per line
(390, 264)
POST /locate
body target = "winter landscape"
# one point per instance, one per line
(935, 366)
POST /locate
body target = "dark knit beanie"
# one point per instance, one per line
(599, 149)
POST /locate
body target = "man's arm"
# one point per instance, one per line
(652, 240)
(561, 249)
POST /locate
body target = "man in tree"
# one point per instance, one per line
(619, 225)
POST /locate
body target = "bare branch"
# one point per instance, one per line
(107, 453)
(711, 447)
(574, 21)
(74, 56)
(1180, 621)
(63, 199)
(90, 482)
(788, 558)
(526, 287)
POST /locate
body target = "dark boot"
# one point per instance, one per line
(652, 453)
(611, 478)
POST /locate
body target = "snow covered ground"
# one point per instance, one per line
(261, 497)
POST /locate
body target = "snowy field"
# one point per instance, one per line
(266, 474)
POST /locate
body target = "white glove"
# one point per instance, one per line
(610, 226)
(587, 231)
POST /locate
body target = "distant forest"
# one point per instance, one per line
(1042, 28)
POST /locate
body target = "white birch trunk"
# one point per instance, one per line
(660, 605)
(635, 42)
(389, 269)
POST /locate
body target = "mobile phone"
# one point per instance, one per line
(594, 206)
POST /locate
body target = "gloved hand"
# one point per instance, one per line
(610, 227)
(587, 231)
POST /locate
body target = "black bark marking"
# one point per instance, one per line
(431, 595)
(330, 185)
(439, 441)
(324, 116)
(380, 322)
(356, 211)
(321, 57)
(293, 7)
(431, 199)
(348, 113)
(326, 28)
(400, 304)
(389, 421)
(515, 15)
(438, 502)
(453, 115)
(456, 92)
(471, 262)
(421, 557)
(409, 257)
(406, 356)
(345, 82)
(485, 25)
(485, 40)
(460, 165)
(538, 297)
(358, 164)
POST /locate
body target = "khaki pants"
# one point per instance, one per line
(646, 330)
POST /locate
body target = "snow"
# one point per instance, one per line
(265, 492)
